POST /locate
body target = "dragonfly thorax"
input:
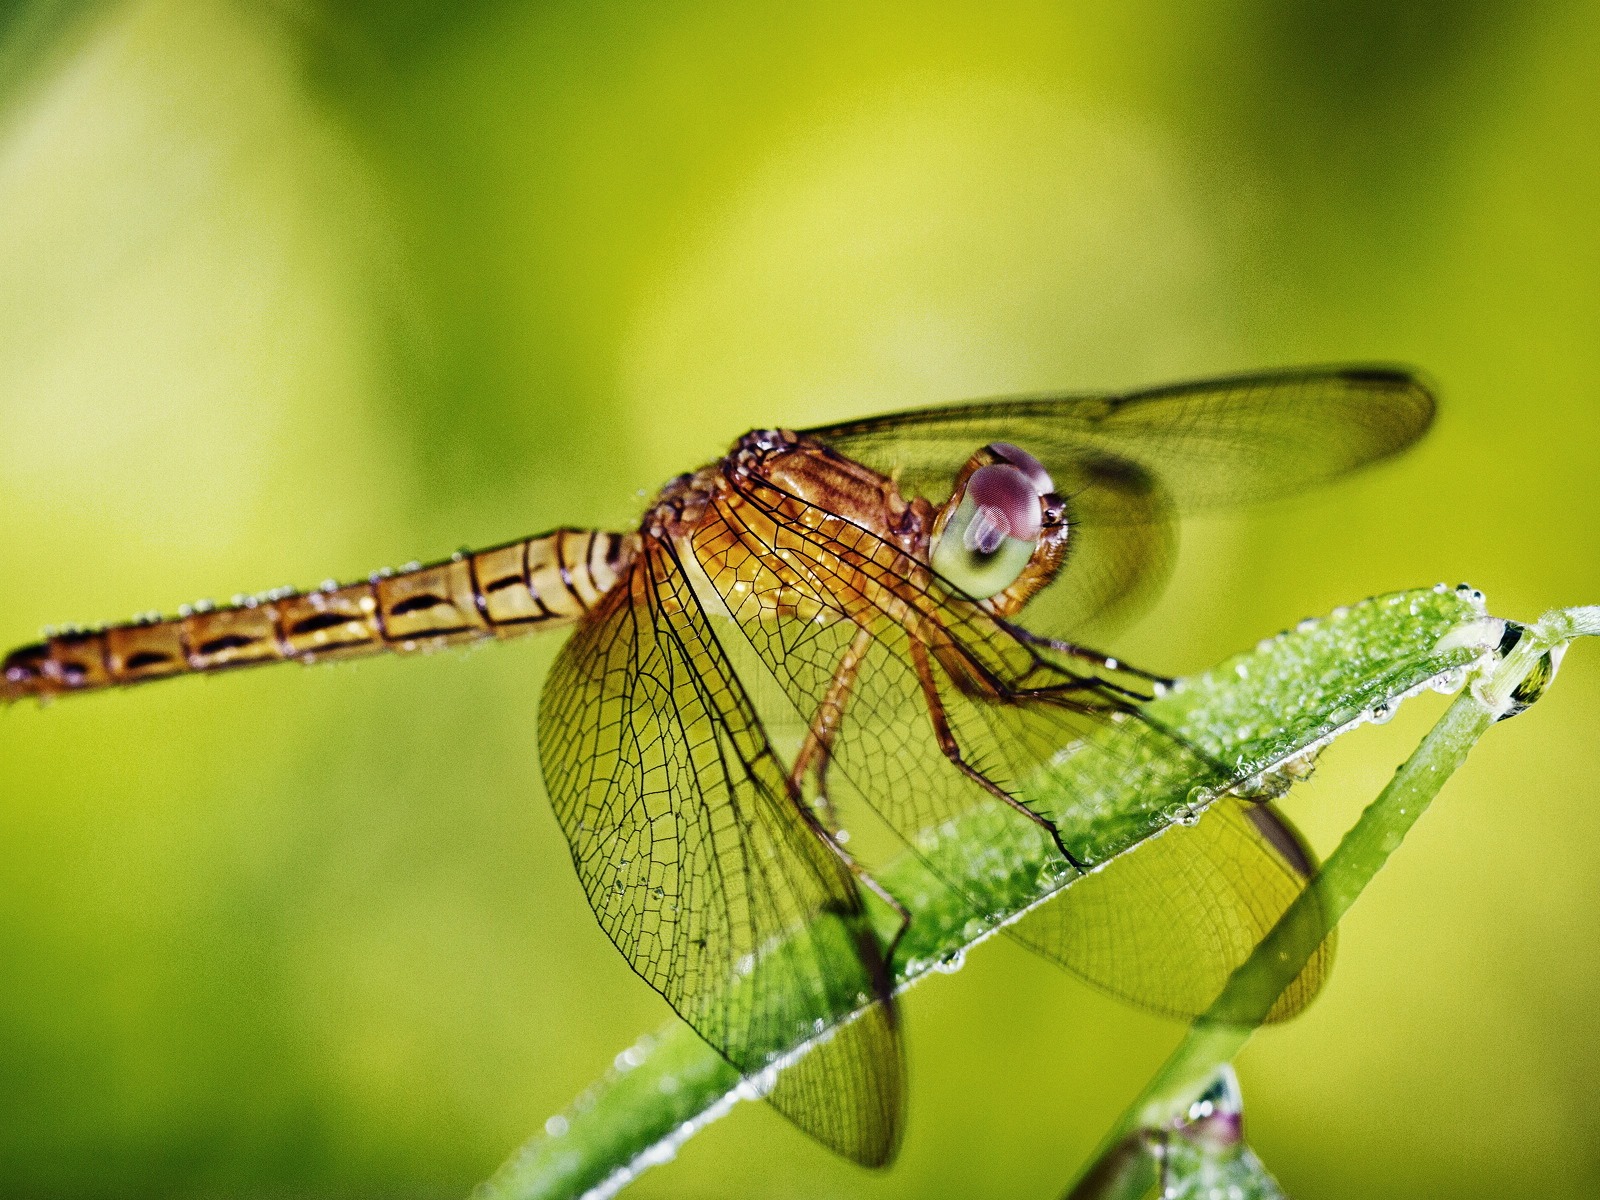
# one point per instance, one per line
(1000, 537)
(808, 480)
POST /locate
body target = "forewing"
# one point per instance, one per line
(1166, 921)
(1166, 925)
(701, 868)
(1212, 443)
(1126, 464)
(801, 582)
(1120, 549)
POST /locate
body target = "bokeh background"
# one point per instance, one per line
(299, 289)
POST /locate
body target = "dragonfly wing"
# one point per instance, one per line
(801, 582)
(702, 869)
(1166, 925)
(1168, 918)
(1209, 444)
(1120, 551)
(1127, 463)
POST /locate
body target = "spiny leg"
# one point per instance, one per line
(952, 751)
(1084, 654)
(815, 753)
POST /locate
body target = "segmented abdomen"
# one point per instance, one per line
(537, 583)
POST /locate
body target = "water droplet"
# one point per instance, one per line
(1306, 626)
(1381, 712)
(841, 836)
(1448, 682)
(1051, 873)
(556, 1126)
(950, 963)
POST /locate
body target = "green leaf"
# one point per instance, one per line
(1510, 680)
(1254, 714)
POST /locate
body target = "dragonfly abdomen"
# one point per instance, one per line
(537, 583)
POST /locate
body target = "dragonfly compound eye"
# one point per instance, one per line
(1026, 463)
(992, 532)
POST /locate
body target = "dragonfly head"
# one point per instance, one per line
(1002, 534)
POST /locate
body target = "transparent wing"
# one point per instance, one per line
(709, 878)
(1162, 924)
(1128, 463)
(1166, 925)
(1208, 444)
(801, 582)
(1123, 542)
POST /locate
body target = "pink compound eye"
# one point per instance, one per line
(1008, 506)
(1026, 463)
(989, 530)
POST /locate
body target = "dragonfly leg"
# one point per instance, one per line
(952, 750)
(817, 749)
(1084, 654)
(815, 754)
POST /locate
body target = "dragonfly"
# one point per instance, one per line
(915, 590)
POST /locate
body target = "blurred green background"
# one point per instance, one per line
(295, 290)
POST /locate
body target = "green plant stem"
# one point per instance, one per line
(1221, 1033)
